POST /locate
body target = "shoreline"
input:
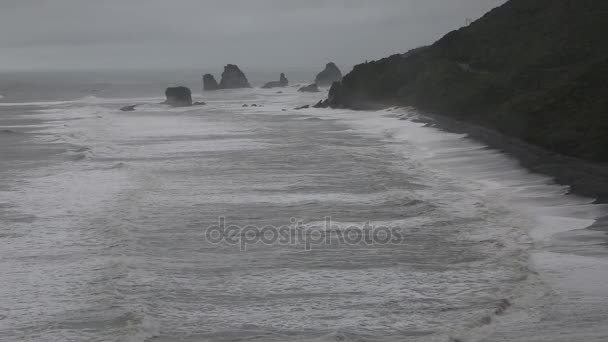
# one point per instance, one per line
(584, 178)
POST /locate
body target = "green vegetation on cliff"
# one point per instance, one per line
(532, 69)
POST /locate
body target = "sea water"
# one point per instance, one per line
(104, 218)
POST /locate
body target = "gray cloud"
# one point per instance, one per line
(209, 33)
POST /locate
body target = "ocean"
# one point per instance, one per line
(265, 223)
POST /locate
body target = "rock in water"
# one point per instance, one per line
(233, 78)
(209, 83)
(313, 88)
(321, 104)
(328, 76)
(282, 82)
(178, 96)
(128, 108)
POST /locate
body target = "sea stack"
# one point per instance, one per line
(328, 76)
(312, 88)
(282, 82)
(209, 83)
(178, 96)
(233, 78)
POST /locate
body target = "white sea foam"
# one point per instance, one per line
(545, 208)
(87, 100)
(115, 237)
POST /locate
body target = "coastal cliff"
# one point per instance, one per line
(536, 70)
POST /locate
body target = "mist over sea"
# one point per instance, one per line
(103, 219)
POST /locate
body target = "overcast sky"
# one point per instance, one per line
(116, 34)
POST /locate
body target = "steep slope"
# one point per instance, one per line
(533, 69)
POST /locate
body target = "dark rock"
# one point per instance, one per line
(178, 96)
(340, 97)
(279, 92)
(245, 105)
(321, 104)
(130, 108)
(254, 105)
(199, 104)
(328, 76)
(502, 307)
(282, 82)
(233, 78)
(209, 83)
(313, 88)
(302, 107)
(337, 94)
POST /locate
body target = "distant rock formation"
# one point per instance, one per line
(130, 108)
(328, 76)
(199, 104)
(209, 83)
(302, 107)
(178, 96)
(233, 78)
(282, 82)
(313, 88)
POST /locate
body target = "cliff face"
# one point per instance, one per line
(532, 69)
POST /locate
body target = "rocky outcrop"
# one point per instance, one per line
(233, 78)
(130, 108)
(535, 70)
(178, 96)
(312, 88)
(209, 83)
(321, 104)
(328, 76)
(282, 82)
